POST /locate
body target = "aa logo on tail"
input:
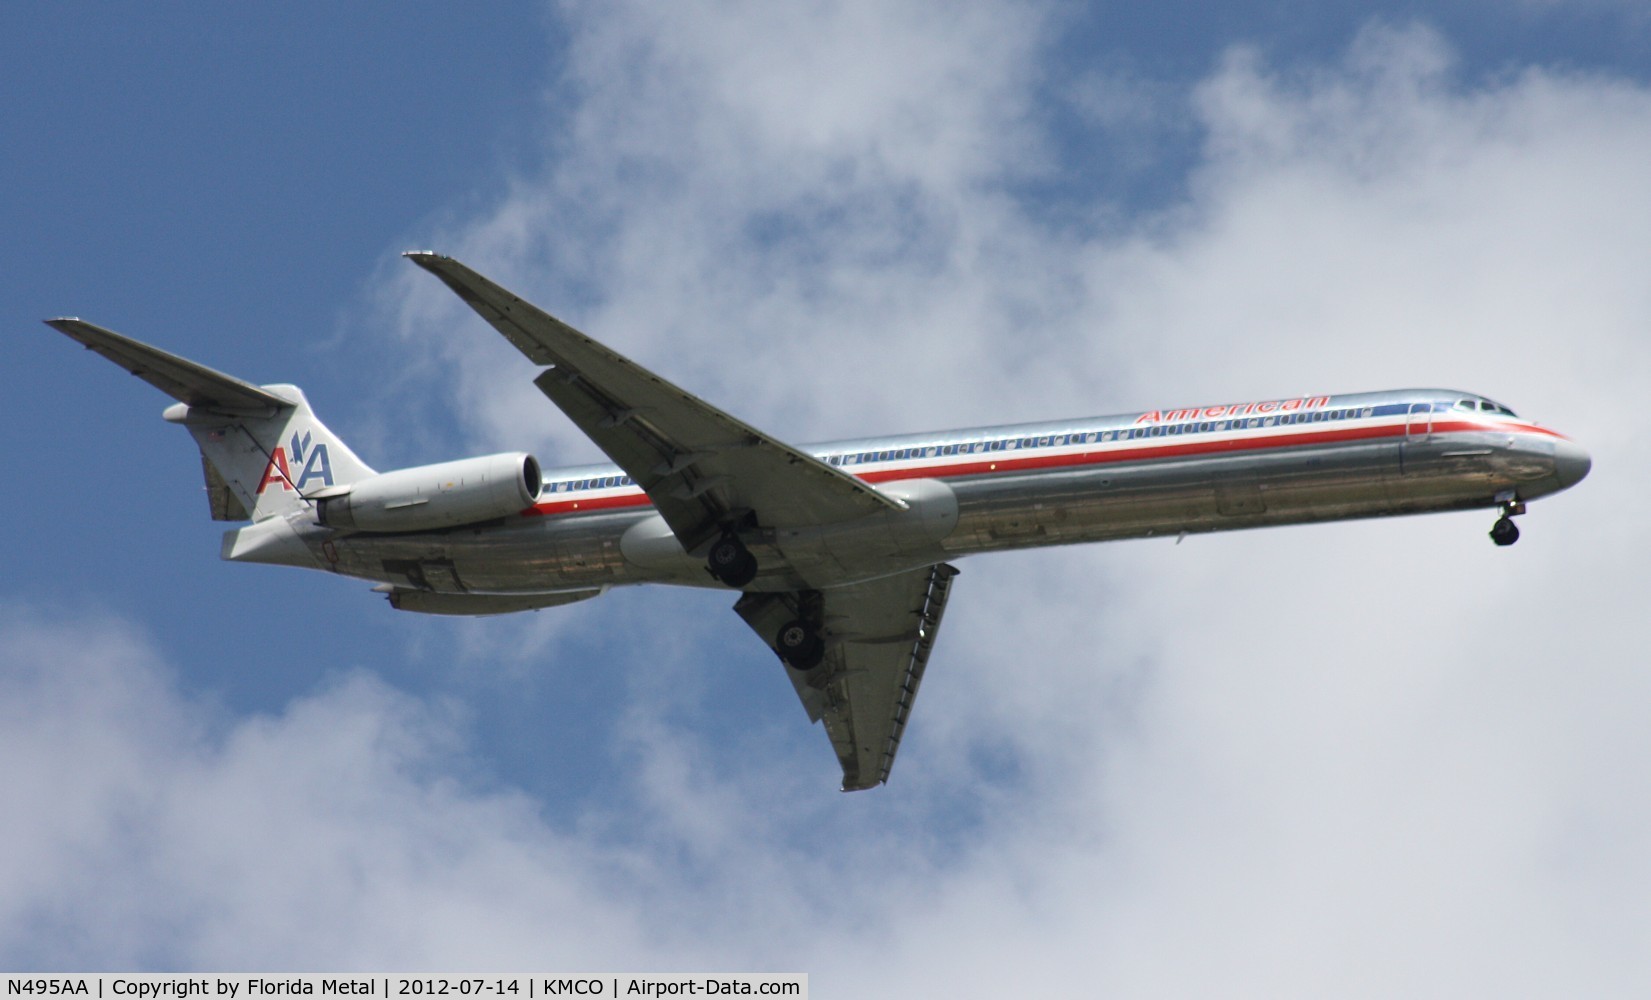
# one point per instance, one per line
(311, 459)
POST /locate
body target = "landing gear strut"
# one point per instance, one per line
(731, 562)
(1504, 531)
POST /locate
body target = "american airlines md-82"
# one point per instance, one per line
(839, 551)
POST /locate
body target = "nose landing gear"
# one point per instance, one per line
(1504, 531)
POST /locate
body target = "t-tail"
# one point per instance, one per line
(268, 460)
(264, 453)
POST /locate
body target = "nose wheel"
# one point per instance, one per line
(1504, 531)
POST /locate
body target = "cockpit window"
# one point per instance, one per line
(1483, 405)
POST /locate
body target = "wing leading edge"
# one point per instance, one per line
(703, 469)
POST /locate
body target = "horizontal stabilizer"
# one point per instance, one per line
(180, 378)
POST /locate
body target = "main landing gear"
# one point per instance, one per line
(731, 562)
(1504, 531)
(799, 645)
(799, 642)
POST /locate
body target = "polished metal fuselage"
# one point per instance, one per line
(1172, 472)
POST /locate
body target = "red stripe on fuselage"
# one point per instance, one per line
(1128, 452)
(637, 499)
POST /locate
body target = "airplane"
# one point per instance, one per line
(840, 552)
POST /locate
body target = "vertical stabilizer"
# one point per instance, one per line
(263, 466)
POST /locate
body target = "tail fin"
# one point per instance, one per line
(263, 451)
(261, 466)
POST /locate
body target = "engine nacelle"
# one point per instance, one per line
(444, 495)
(425, 602)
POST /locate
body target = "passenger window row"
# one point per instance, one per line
(1094, 437)
(1048, 441)
(598, 483)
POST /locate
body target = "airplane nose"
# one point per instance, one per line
(1571, 463)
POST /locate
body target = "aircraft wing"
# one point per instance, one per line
(878, 638)
(180, 378)
(701, 467)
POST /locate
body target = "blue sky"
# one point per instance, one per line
(1380, 755)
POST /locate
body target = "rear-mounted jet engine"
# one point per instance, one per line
(428, 497)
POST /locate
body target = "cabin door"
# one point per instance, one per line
(1418, 431)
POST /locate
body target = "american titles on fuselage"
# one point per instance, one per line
(1233, 410)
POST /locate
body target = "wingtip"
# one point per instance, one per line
(425, 258)
(72, 327)
(454, 273)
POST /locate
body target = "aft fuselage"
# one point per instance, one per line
(1135, 475)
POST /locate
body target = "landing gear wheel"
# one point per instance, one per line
(799, 645)
(1504, 531)
(731, 562)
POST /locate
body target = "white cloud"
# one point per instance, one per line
(1373, 758)
(146, 830)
